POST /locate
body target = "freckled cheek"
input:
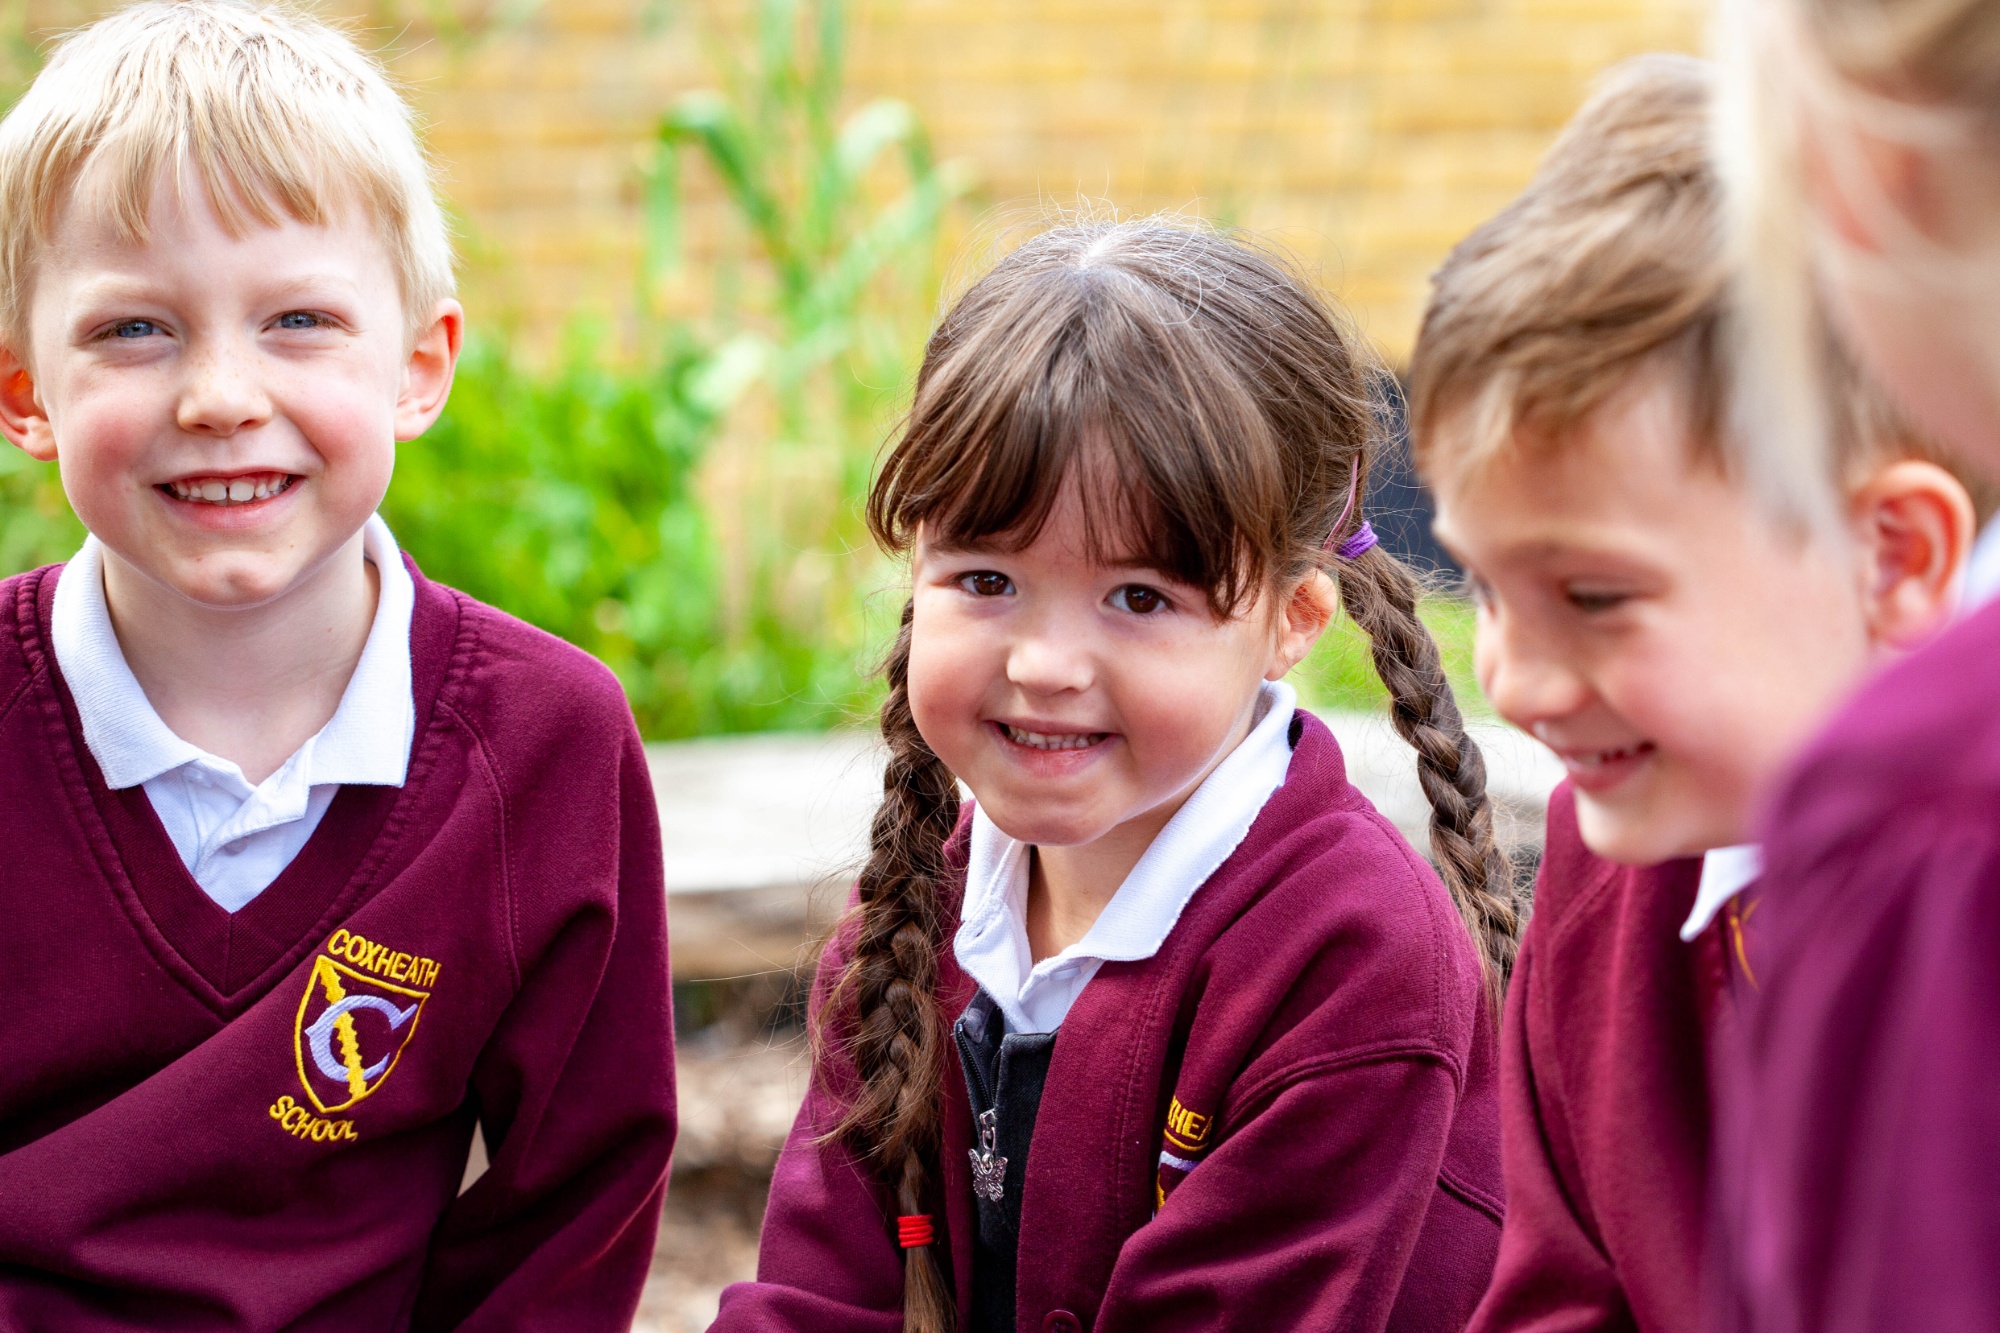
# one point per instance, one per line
(102, 441)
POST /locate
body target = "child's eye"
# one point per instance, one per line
(134, 328)
(1475, 590)
(986, 583)
(1138, 599)
(1589, 600)
(299, 319)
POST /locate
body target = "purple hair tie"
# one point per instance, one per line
(1357, 545)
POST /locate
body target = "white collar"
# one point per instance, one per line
(367, 740)
(992, 941)
(1982, 569)
(1725, 871)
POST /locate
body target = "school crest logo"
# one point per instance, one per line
(353, 1027)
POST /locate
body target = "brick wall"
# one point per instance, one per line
(1367, 134)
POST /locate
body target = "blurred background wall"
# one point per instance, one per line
(1368, 135)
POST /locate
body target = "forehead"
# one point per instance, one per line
(1630, 476)
(186, 237)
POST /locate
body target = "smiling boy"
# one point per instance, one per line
(1675, 645)
(317, 867)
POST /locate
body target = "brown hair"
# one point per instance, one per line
(1219, 420)
(1613, 259)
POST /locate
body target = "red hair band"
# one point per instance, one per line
(913, 1230)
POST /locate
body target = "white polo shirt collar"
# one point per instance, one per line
(236, 838)
(992, 940)
(1725, 872)
(367, 740)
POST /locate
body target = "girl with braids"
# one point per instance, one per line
(1167, 1028)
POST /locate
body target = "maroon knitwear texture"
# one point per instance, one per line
(1313, 1029)
(259, 1121)
(1860, 1172)
(1604, 1082)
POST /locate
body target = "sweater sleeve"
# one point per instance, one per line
(1861, 1148)
(1552, 1275)
(826, 1261)
(1324, 1238)
(575, 1091)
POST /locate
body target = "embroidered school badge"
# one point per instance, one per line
(1185, 1142)
(353, 1027)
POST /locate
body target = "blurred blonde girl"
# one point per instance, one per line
(1859, 1179)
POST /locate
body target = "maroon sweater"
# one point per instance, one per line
(1312, 1034)
(259, 1120)
(1860, 1148)
(1604, 1081)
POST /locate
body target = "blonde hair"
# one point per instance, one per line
(1613, 260)
(1923, 71)
(278, 115)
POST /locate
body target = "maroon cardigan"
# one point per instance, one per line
(1860, 1146)
(1318, 1011)
(1604, 1085)
(485, 944)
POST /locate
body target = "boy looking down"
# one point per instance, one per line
(1641, 614)
(316, 866)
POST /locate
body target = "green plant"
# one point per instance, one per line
(820, 287)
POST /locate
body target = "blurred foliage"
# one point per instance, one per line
(687, 508)
(1341, 674)
(689, 515)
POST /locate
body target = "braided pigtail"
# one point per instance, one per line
(889, 986)
(1380, 594)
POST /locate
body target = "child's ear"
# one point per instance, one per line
(1914, 525)
(22, 419)
(428, 371)
(1306, 613)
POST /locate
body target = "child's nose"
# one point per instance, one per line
(1049, 661)
(222, 395)
(1527, 684)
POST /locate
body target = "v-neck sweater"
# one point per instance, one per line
(259, 1120)
(1311, 1044)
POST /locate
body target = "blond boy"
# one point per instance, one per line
(1669, 640)
(316, 867)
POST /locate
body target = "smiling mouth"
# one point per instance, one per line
(1589, 761)
(1053, 740)
(245, 488)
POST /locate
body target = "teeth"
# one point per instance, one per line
(1601, 758)
(1043, 740)
(229, 491)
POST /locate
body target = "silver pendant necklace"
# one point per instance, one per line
(989, 1168)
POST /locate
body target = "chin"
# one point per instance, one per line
(1044, 828)
(235, 584)
(1639, 835)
